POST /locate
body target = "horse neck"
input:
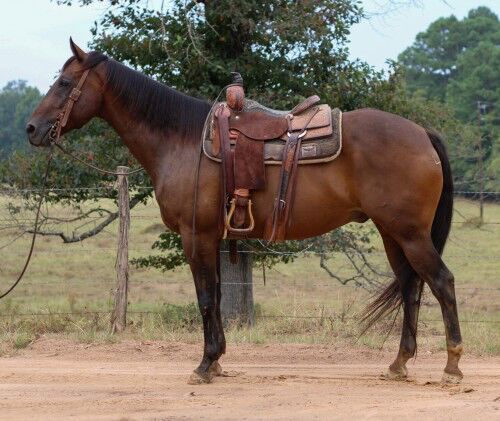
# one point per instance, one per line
(155, 150)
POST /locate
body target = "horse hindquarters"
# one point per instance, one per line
(414, 207)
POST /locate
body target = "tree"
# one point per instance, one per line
(456, 62)
(286, 50)
(432, 59)
(17, 101)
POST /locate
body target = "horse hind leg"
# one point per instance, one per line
(428, 264)
(411, 289)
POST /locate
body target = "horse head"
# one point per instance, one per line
(73, 99)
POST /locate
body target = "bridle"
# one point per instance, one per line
(62, 120)
(63, 116)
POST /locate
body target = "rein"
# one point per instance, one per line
(102, 171)
(55, 140)
(197, 169)
(37, 218)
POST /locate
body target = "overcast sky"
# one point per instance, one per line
(34, 33)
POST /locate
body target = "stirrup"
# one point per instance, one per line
(227, 220)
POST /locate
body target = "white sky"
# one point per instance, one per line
(34, 33)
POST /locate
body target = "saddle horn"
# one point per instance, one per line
(235, 94)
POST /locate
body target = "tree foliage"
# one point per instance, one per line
(285, 50)
(456, 62)
(17, 101)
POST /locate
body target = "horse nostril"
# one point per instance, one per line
(30, 128)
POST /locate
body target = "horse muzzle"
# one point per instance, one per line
(38, 134)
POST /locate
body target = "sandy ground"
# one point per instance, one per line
(56, 379)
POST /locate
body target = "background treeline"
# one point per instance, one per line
(457, 63)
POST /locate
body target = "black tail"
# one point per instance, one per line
(444, 212)
(391, 297)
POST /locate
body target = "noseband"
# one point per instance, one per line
(62, 117)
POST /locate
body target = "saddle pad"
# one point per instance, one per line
(313, 151)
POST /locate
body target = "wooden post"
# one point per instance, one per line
(119, 315)
(480, 111)
(236, 288)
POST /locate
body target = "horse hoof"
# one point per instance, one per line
(200, 378)
(400, 374)
(215, 369)
(452, 378)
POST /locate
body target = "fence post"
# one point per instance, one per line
(480, 110)
(236, 287)
(119, 315)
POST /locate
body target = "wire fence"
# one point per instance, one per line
(257, 316)
(463, 253)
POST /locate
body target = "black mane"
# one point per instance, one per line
(156, 105)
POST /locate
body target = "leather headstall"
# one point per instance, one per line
(63, 116)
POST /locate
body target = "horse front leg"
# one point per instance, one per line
(204, 266)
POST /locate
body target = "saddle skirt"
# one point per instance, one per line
(322, 141)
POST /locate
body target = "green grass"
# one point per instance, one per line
(80, 278)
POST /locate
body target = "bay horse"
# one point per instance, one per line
(391, 171)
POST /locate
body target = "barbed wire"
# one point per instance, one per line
(477, 192)
(257, 316)
(65, 189)
(189, 282)
(111, 186)
(112, 252)
(8, 222)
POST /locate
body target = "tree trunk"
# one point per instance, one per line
(236, 288)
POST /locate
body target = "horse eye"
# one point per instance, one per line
(64, 82)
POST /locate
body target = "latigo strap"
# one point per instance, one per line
(280, 219)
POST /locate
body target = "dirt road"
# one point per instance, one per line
(55, 379)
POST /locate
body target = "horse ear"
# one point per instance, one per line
(77, 51)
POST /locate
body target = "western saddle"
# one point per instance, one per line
(238, 136)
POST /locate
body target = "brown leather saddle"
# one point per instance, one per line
(239, 136)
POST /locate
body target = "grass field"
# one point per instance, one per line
(79, 278)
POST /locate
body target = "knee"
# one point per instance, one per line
(444, 285)
(206, 303)
(206, 309)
